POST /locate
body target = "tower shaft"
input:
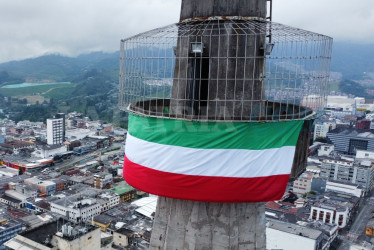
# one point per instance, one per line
(211, 92)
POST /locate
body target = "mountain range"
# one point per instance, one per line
(94, 76)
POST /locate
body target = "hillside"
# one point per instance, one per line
(92, 81)
(352, 60)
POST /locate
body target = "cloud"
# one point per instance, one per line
(72, 27)
(344, 20)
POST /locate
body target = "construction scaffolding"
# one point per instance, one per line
(213, 70)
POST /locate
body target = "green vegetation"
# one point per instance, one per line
(310, 192)
(333, 86)
(93, 90)
(37, 90)
(110, 150)
(353, 88)
(352, 59)
(34, 113)
(321, 139)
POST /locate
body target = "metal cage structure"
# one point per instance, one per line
(231, 70)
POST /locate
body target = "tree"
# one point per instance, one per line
(321, 139)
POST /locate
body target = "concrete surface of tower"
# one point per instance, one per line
(219, 110)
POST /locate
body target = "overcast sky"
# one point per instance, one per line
(71, 27)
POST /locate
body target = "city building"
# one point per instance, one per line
(108, 200)
(125, 192)
(45, 187)
(76, 208)
(284, 235)
(53, 236)
(344, 187)
(303, 184)
(349, 140)
(8, 230)
(51, 150)
(370, 227)
(318, 185)
(321, 129)
(334, 208)
(9, 172)
(103, 180)
(123, 237)
(103, 221)
(10, 201)
(29, 191)
(358, 172)
(363, 124)
(34, 125)
(363, 154)
(325, 150)
(55, 131)
(62, 116)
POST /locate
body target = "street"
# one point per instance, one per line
(357, 229)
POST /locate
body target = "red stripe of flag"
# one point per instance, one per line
(204, 188)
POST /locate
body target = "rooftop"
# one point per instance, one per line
(122, 188)
(294, 229)
(10, 199)
(104, 219)
(352, 132)
(370, 223)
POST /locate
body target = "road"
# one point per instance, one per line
(359, 225)
(69, 163)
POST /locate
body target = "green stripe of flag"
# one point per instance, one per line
(215, 135)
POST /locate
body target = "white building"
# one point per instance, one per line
(55, 131)
(363, 154)
(320, 130)
(358, 172)
(325, 150)
(283, 235)
(27, 123)
(340, 187)
(330, 214)
(10, 172)
(76, 209)
(344, 102)
(49, 151)
(108, 201)
(334, 208)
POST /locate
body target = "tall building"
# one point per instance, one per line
(62, 115)
(55, 131)
(349, 140)
(361, 172)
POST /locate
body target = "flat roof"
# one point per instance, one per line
(147, 206)
(10, 199)
(294, 229)
(121, 189)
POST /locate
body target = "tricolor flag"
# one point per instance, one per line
(210, 161)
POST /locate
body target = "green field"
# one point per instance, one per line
(47, 91)
(333, 86)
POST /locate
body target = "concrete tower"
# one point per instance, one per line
(184, 224)
(215, 122)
